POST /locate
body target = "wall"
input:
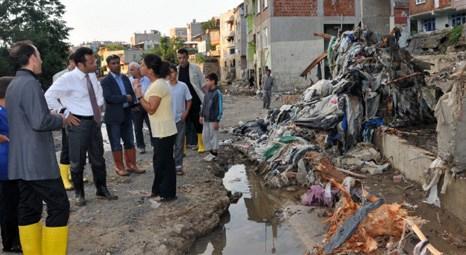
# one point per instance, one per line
(295, 8)
(460, 4)
(376, 16)
(441, 21)
(341, 7)
(293, 47)
(420, 8)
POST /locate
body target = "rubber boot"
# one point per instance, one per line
(79, 188)
(65, 172)
(54, 240)
(130, 160)
(119, 166)
(200, 144)
(31, 239)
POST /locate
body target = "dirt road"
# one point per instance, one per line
(135, 224)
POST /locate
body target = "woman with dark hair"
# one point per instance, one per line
(157, 102)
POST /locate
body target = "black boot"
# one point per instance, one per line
(104, 193)
(78, 184)
(100, 180)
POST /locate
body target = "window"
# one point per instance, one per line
(428, 25)
(258, 6)
(458, 19)
(420, 1)
(266, 4)
(232, 51)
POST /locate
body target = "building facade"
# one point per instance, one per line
(194, 29)
(233, 45)
(432, 15)
(146, 40)
(281, 33)
(180, 33)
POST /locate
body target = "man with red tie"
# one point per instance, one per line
(78, 93)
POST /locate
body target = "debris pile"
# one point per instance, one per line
(323, 141)
(451, 139)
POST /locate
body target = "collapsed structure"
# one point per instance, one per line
(324, 140)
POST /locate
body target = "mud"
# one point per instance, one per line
(135, 224)
(445, 231)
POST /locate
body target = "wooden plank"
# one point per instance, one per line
(313, 64)
(422, 237)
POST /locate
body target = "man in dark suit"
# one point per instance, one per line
(119, 98)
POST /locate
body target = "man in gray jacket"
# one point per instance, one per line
(267, 87)
(32, 159)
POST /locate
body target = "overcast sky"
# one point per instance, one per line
(116, 20)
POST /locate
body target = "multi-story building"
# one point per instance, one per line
(146, 40)
(233, 44)
(194, 29)
(180, 33)
(281, 32)
(431, 15)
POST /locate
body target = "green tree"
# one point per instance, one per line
(167, 49)
(39, 21)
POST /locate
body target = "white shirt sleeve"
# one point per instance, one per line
(55, 92)
(187, 94)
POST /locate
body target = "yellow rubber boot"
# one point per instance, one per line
(200, 144)
(55, 241)
(65, 172)
(30, 237)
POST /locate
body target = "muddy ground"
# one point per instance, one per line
(135, 224)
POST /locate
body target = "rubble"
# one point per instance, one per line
(323, 141)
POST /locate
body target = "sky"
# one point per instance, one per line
(116, 20)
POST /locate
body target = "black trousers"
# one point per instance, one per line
(164, 183)
(139, 117)
(9, 200)
(31, 195)
(193, 126)
(87, 139)
(64, 154)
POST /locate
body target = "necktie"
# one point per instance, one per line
(92, 97)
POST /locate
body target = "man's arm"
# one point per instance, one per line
(106, 93)
(54, 93)
(37, 112)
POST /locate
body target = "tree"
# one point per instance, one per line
(167, 49)
(39, 21)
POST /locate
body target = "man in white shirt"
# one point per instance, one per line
(79, 93)
(139, 114)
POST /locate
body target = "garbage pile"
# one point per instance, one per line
(375, 84)
(323, 141)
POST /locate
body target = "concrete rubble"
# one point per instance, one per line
(324, 141)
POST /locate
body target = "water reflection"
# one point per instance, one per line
(250, 226)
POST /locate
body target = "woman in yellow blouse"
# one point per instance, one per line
(158, 104)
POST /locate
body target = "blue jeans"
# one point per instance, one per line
(121, 131)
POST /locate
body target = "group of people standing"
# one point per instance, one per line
(175, 101)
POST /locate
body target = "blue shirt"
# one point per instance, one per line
(4, 146)
(121, 85)
(180, 94)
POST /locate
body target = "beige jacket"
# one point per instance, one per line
(196, 78)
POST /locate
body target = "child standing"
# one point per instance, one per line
(9, 193)
(211, 115)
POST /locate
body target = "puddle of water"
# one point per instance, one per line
(250, 227)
